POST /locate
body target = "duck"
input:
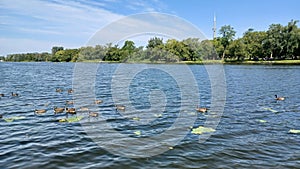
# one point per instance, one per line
(41, 111)
(1, 95)
(69, 102)
(1, 116)
(70, 91)
(278, 98)
(120, 107)
(58, 90)
(201, 109)
(71, 110)
(93, 114)
(14, 94)
(58, 110)
(98, 101)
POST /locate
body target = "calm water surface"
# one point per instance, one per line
(253, 131)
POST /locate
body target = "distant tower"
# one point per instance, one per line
(215, 26)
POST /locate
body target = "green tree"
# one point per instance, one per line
(194, 46)
(253, 41)
(177, 49)
(236, 49)
(227, 34)
(56, 49)
(113, 54)
(207, 50)
(127, 50)
(290, 39)
(154, 42)
(273, 43)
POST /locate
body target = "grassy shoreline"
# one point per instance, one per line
(228, 62)
(275, 62)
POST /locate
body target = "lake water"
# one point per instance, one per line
(253, 130)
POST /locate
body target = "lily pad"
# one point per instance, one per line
(201, 130)
(136, 118)
(71, 119)
(11, 119)
(62, 120)
(158, 115)
(294, 131)
(137, 132)
(271, 110)
(262, 121)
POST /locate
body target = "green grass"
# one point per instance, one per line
(246, 62)
(275, 62)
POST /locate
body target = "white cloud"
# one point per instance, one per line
(143, 25)
(70, 22)
(38, 21)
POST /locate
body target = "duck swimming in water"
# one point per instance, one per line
(70, 91)
(278, 98)
(41, 111)
(71, 110)
(69, 102)
(59, 90)
(201, 109)
(120, 107)
(98, 101)
(93, 114)
(14, 94)
(58, 110)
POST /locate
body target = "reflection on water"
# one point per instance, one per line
(253, 131)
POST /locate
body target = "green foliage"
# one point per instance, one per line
(277, 43)
(66, 55)
(56, 49)
(26, 57)
(227, 34)
(154, 42)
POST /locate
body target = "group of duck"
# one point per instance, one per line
(67, 110)
(73, 111)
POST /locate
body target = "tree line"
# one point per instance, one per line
(277, 43)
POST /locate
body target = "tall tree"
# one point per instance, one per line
(253, 41)
(274, 41)
(56, 49)
(227, 34)
(154, 42)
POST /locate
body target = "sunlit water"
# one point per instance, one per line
(253, 131)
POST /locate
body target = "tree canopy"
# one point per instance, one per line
(278, 42)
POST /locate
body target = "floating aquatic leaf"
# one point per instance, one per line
(262, 121)
(74, 119)
(9, 120)
(71, 119)
(157, 115)
(62, 120)
(294, 131)
(201, 130)
(14, 118)
(136, 118)
(272, 110)
(137, 132)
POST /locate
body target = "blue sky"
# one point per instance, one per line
(37, 25)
